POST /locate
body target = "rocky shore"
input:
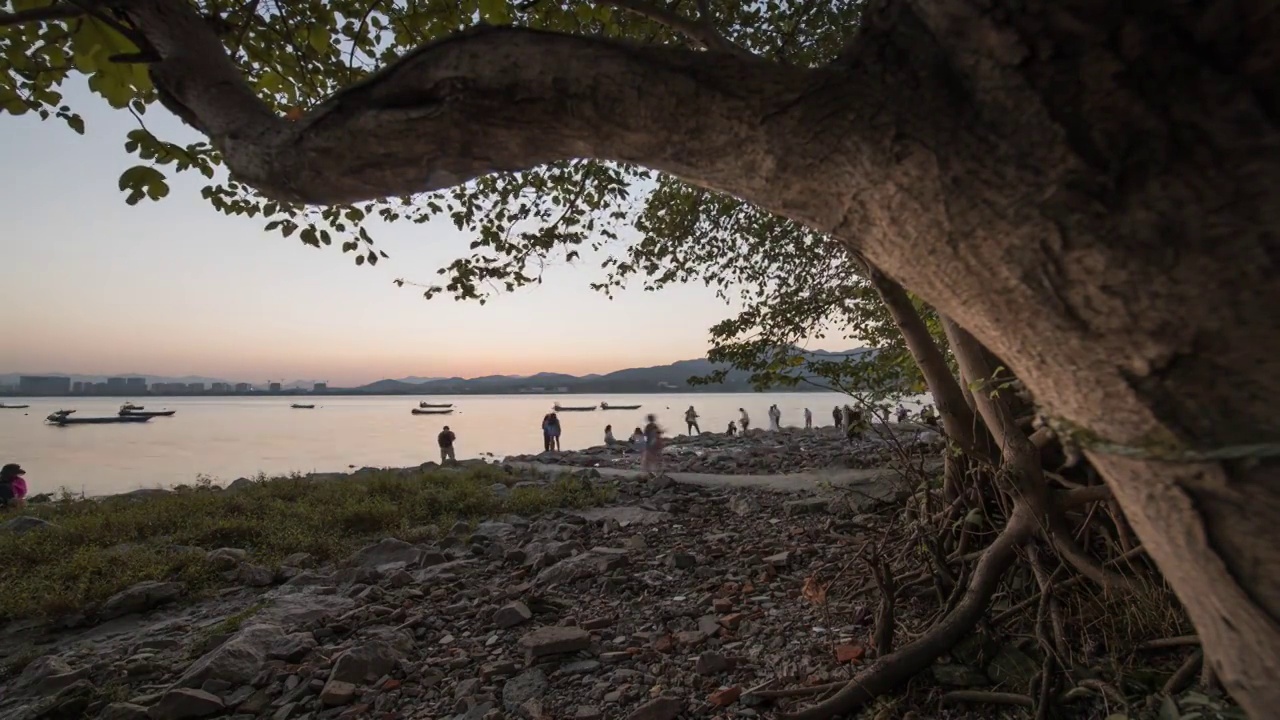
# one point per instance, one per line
(759, 452)
(674, 600)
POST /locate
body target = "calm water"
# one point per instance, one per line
(234, 437)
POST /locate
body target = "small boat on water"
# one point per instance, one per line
(4, 406)
(131, 406)
(146, 413)
(434, 405)
(607, 406)
(421, 411)
(573, 408)
(300, 406)
(63, 417)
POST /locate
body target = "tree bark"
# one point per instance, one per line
(1091, 188)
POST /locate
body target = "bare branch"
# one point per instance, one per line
(701, 31)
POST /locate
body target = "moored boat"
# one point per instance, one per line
(434, 405)
(420, 411)
(4, 406)
(146, 413)
(64, 418)
(131, 406)
(607, 406)
(573, 408)
(300, 406)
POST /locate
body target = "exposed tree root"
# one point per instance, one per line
(890, 671)
(1185, 674)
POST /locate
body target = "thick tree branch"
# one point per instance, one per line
(40, 14)
(496, 99)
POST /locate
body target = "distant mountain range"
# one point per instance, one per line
(659, 378)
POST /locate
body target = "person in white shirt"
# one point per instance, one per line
(775, 418)
(691, 419)
(744, 421)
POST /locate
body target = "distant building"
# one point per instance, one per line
(220, 387)
(320, 387)
(44, 385)
(195, 387)
(117, 384)
(77, 387)
(99, 388)
(136, 385)
(274, 387)
(243, 387)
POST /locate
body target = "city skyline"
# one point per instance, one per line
(175, 288)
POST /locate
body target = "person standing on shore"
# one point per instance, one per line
(555, 432)
(744, 420)
(546, 432)
(13, 486)
(808, 419)
(691, 419)
(651, 460)
(446, 438)
(836, 415)
(903, 414)
(775, 418)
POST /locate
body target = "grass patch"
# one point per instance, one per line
(100, 547)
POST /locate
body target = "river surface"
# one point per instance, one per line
(231, 437)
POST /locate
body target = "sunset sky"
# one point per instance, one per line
(92, 285)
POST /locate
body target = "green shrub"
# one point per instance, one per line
(100, 547)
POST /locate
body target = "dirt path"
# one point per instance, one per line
(872, 481)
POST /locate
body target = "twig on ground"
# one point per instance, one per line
(986, 697)
(1169, 642)
(1185, 673)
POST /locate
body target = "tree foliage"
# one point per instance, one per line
(790, 282)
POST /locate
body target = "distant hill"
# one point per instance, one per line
(659, 378)
(12, 379)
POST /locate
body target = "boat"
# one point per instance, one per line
(131, 406)
(12, 407)
(573, 408)
(300, 406)
(607, 406)
(419, 411)
(434, 405)
(146, 413)
(64, 418)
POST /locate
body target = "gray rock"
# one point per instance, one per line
(388, 550)
(236, 661)
(26, 523)
(123, 711)
(682, 561)
(958, 676)
(711, 663)
(1012, 667)
(555, 640)
(663, 708)
(45, 675)
(512, 614)
(239, 484)
(780, 560)
(805, 506)
(293, 647)
(139, 598)
(226, 558)
(256, 575)
(743, 505)
(579, 566)
(365, 663)
(185, 703)
(299, 560)
(337, 692)
(528, 685)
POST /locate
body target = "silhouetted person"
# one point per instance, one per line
(609, 439)
(837, 416)
(808, 419)
(691, 419)
(651, 460)
(446, 438)
(744, 421)
(733, 429)
(13, 486)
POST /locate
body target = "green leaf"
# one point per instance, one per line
(142, 181)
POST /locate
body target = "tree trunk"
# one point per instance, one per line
(1090, 187)
(957, 418)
